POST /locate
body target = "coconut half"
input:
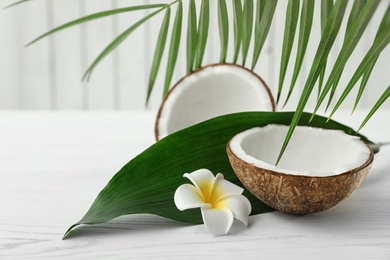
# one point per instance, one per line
(319, 168)
(211, 91)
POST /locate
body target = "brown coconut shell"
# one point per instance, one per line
(156, 124)
(298, 194)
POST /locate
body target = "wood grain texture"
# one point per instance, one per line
(47, 75)
(53, 164)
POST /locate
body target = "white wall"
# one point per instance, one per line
(47, 75)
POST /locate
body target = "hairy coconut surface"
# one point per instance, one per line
(319, 169)
(212, 91)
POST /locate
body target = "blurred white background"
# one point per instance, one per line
(47, 75)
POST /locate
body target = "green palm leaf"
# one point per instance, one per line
(363, 84)
(174, 46)
(247, 28)
(333, 91)
(385, 23)
(352, 37)
(356, 10)
(332, 15)
(192, 36)
(327, 40)
(17, 3)
(98, 15)
(203, 31)
(264, 16)
(147, 183)
(223, 23)
(260, 4)
(288, 40)
(326, 7)
(117, 41)
(379, 44)
(159, 50)
(237, 12)
(380, 101)
(306, 22)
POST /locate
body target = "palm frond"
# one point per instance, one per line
(384, 23)
(380, 101)
(363, 85)
(192, 35)
(326, 7)
(252, 20)
(305, 26)
(356, 10)
(98, 15)
(203, 31)
(333, 90)
(352, 37)
(174, 46)
(288, 40)
(237, 14)
(247, 28)
(223, 22)
(16, 3)
(264, 16)
(159, 50)
(377, 47)
(325, 45)
(117, 41)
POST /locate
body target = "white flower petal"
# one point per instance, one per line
(220, 200)
(238, 204)
(203, 180)
(187, 197)
(217, 221)
(222, 187)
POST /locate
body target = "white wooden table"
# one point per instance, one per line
(53, 164)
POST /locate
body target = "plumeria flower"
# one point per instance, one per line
(219, 200)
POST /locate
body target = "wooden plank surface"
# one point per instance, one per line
(53, 164)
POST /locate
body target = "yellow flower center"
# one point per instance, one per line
(212, 194)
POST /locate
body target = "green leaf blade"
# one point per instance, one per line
(326, 43)
(380, 43)
(351, 40)
(159, 50)
(238, 18)
(356, 10)
(303, 39)
(288, 40)
(381, 100)
(333, 91)
(174, 47)
(192, 36)
(16, 3)
(117, 41)
(95, 16)
(264, 18)
(247, 28)
(363, 85)
(383, 25)
(223, 23)
(326, 7)
(203, 31)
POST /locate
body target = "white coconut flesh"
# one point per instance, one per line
(311, 151)
(212, 91)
